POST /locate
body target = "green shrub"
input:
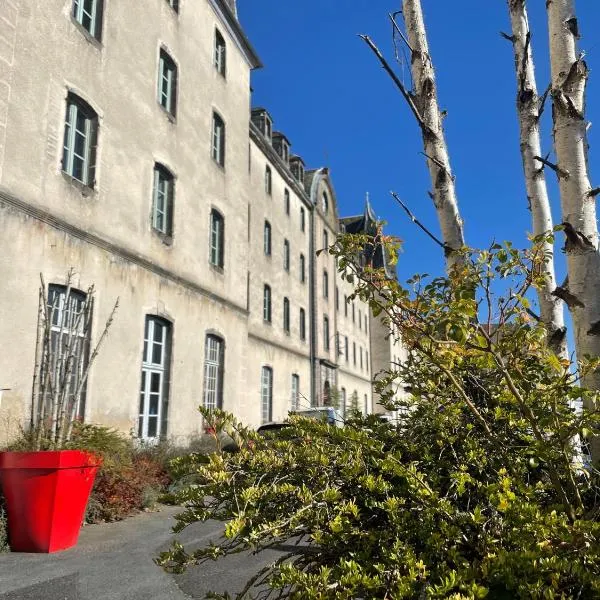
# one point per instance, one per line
(478, 491)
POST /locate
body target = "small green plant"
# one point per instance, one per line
(479, 490)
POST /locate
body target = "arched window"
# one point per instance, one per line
(80, 140)
(163, 199)
(154, 391)
(267, 303)
(220, 53)
(214, 361)
(217, 239)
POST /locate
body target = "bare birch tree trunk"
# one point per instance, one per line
(529, 111)
(434, 142)
(569, 76)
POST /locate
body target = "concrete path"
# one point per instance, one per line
(113, 561)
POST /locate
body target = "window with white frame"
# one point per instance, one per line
(268, 180)
(295, 400)
(302, 269)
(218, 140)
(286, 255)
(286, 315)
(154, 391)
(69, 313)
(214, 354)
(217, 239)
(167, 83)
(267, 238)
(325, 284)
(326, 333)
(162, 200)
(88, 13)
(220, 53)
(325, 202)
(266, 394)
(80, 140)
(267, 303)
(302, 324)
(286, 201)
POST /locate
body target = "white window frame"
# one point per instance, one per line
(218, 139)
(167, 82)
(217, 239)
(220, 53)
(77, 110)
(214, 355)
(267, 315)
(162, 199)
(150, 370)
(92, 10)
(266, 394)
(295, 392)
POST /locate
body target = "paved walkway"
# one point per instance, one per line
(113, 561)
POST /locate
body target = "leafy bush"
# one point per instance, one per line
(478, 491)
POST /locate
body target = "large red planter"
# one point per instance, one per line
(46, 494)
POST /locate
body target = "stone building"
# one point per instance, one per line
(129, 153)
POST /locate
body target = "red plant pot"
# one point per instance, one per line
(46, 494)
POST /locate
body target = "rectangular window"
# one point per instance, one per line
(286, 255)
(167, 83)
(162, 205)
(267, 303)
(295, 403)
(326, 333)
(67, 349)
(302, 269)
(217, 238)
(154, 390)
(286, 315)
(88, 13)
(80, 140)
(302, 325)
(214, 352)
(220, 53)
(267, 238)
(218, 140)
(266, 394)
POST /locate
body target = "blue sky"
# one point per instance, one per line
(327, 92)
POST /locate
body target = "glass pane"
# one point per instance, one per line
(152, 426)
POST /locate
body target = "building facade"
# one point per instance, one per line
(129, 153)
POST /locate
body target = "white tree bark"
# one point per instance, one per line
(569, 76)
(528, 108)
(424, 94)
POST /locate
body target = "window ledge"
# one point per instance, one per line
(94, 41)
(170, 116)
(165, 238)
(86, 190)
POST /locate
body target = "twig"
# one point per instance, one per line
(405, 93)
(418, 223)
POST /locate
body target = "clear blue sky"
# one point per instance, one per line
(327, 92)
